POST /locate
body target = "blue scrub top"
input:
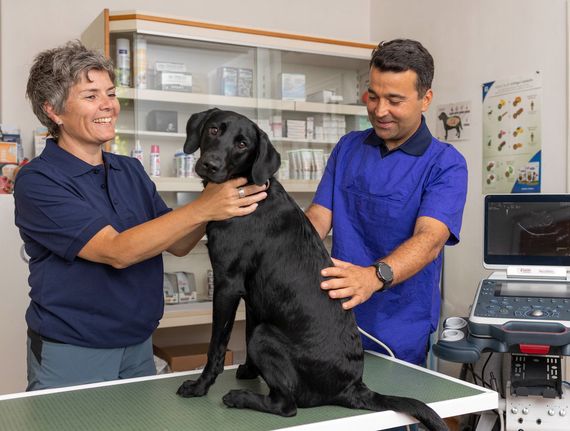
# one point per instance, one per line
(375, 196)
(61, 203)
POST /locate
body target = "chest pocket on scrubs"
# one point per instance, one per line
(385, 212)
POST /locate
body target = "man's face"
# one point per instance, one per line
(394, 106)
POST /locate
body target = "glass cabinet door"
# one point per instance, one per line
(169, 80)
(305, 102)
(319, 102)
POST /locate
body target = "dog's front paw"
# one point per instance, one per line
(235, 398)
(191, 388)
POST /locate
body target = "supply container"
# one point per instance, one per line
(123, 63)
(155, 161)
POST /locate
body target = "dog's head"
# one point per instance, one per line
(231, 146)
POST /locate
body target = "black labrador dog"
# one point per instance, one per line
(303, 344)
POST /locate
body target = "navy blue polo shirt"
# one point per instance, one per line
(61, 203)
(375, 196)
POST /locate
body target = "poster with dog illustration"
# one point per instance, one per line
(512, 135)
(453, 122)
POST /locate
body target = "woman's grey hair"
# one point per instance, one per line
(55, 71)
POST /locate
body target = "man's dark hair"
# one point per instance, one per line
(400, 55)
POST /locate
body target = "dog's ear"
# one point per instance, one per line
(194, 129)
(267, 159)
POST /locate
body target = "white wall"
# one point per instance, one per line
(475, 42)
(13, 303)
(30, 26)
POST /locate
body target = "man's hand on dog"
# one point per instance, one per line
(350, 281)
(224, 201)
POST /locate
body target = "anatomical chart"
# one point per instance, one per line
(512, 135)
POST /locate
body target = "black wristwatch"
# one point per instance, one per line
(384, 274)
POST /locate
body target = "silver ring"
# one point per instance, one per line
(241, 192)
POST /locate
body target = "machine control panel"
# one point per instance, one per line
(499, 301)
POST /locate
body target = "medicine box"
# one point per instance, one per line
(173, 81)
(186, 357)
(245, 82)
(325, 96)
(186, 287)
(292, 87)
(10, 144)
(170, 289)
(165, 66)
(227, 81)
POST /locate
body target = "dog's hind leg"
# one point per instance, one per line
(358, 396)
(268, 349)
(248, 370)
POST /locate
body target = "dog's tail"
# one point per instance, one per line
(377, 402)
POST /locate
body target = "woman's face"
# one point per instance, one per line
(91, 110)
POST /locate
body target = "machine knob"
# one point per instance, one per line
(525, 411)
(551, 412)
(537, 313)
(514, 410)
(562, 412)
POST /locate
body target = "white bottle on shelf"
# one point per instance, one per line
(155, 161)
(123, 63)
(137, 151)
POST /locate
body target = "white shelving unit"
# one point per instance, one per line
(194, 313)
(238, 102)
(203, 49)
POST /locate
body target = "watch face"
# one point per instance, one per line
(385, 272)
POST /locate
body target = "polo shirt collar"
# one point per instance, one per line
(73, 165)
(416, 145)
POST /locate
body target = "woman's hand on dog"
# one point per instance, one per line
(223, 201)
(350, 281)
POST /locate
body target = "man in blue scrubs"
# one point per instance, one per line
(394, 196)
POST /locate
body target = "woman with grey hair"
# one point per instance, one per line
(94, 227)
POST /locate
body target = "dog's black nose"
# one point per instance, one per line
(212, 165)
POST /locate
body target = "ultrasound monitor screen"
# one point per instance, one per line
(527, 230)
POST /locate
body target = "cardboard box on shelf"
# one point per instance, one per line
(325, 96)
(187, 357)
(8, 152)
(11, 150)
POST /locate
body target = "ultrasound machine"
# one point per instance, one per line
(522, 309)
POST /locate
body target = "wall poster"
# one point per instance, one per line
(512, 135)
(454, 122)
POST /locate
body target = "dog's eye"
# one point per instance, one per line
(213, 131)
(242, 145)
